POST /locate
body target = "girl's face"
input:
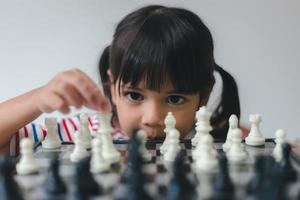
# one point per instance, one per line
(138, 107)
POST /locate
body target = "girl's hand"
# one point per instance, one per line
(71, 88)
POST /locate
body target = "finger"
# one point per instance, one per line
(70, 94)
(54, 102)
(88, 89)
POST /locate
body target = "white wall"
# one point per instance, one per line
(256, 41)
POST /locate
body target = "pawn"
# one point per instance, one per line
(254, 184)
(288, 173)
(79, 151)
(223, 186)
(98, 163)
(85, 131)
(180, 186)
(85, 184)
(233, 124)
(27, 163)
(280, 139)
(51, 140)
(54, 184)
(237, 152)
(255, 137)
(173, 147)
(170, 122)
(9, 188)
(142, 135)
(206, 160)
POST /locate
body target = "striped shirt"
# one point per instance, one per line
(65, 129)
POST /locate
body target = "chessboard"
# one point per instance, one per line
(158, 174)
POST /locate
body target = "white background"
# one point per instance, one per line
(257, 41)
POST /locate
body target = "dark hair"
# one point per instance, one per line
(159, 44)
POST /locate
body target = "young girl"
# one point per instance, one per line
(160, 60)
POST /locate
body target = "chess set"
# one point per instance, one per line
(157, 173)
(173, 168)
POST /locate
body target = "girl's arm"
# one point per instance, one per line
(15, 114)
(69, 88)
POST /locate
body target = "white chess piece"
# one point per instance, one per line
(255, 137)
(98, 163)
(206, 161)
(142, 135)
(173, 146)
(51, 140)
(109, 152)
(170, 123)
(280, 139)
(233, 124)
(237, 152)
(79, 151)
(203, 126)
(27, 163)
(84, 129)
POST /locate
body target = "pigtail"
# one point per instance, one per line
(103, 67)
(229, 104)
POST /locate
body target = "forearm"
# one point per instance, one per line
(15, 114)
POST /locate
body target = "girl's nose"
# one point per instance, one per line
(153, 115)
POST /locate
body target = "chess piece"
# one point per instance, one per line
(173, 147)
(79, 151)
(223, 186)
(237, 152)
(85, 131)
(9, 188)
(206, 159)
(271, 186)
(287, 171)
(170, 123)
(142, 135)
(27, 163)
(134, 177)
(98, 163)
(255, 137)
(180, 186)
(133, 157)
(85, 184)
(109, 152)
(54, 183)
(233, 124)
(203, 126)
(51, 140)
(280, 139)
(258, 177)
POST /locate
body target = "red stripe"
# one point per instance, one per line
(67, 130)
(25, 132)
(90, 121)
(17, 145)
(73, 124)
(44, 133)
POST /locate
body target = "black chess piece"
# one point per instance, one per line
(133, 177)
(223, 188)
(9, 188)
(287, 172)
(254, 184)
(180, 186)
(133, 161)
(271, 186)
(54, 184)
(85, 184)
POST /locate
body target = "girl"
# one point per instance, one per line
(160, 60)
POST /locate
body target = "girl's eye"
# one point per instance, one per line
(175, 99)
(134, 96)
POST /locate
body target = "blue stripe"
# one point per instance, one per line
(59, 132)
(36, 139)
